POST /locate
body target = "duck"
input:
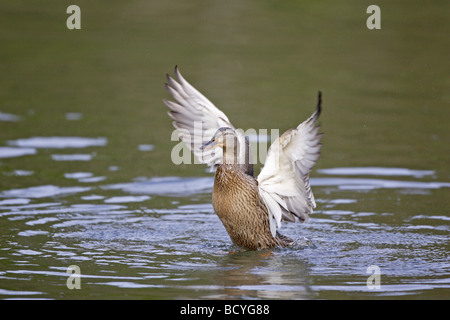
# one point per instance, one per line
(250, 208)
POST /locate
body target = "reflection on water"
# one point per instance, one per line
(58, 142)
(375, 171)
(125, 245)
(359, 184)
(41, 191)
(72, 157)
(166, 186)
(10, 152)
(9, 117)
(29, 146)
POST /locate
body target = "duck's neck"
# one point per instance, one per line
(230, 153)
(231, 159)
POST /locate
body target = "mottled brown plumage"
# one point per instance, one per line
(237, 203)
(236, 198)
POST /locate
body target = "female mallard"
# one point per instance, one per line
(251, 209)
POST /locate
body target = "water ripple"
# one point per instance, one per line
(160, 236)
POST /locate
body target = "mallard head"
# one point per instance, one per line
(222, 138)
(225, 138)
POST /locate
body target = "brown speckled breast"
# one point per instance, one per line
(237, 203)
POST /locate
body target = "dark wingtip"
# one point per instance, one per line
(167, 87)
(319, 103)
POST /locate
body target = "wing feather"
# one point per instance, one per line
(197, 119)
(284, 180)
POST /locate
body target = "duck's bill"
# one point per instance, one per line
(209, 145)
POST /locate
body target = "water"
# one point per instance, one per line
(125, 246)
(86, 177)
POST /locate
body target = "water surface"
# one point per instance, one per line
(86, 177)
(150, 239)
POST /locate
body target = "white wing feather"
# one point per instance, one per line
(197, 119)
(284, 180)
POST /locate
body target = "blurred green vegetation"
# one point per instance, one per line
(385, 92)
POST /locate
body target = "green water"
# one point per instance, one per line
(139, 226)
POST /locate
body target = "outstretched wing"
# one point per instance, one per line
(197, 119)
(284, 180)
